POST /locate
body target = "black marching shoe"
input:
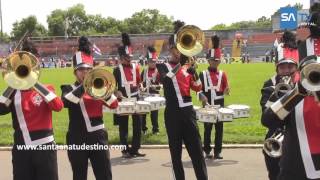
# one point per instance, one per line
(208, 155)
(137, 154)
(145, 132)
(126, 155)
(217, 156)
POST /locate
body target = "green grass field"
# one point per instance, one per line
(245, 81)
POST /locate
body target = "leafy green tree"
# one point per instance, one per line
(149, 21)
(30, 24)
(71, 21)
(5, 38)
(57, 23)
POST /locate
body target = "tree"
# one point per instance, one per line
(5, 38)
(219, 27)
(298, 6)
(74, 22)
(148, 21)
(103, 25)
(262, 22)
(71, 21)
(28, 24)
(76, 19)
(57, 23)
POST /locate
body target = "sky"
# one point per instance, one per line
(203, 13)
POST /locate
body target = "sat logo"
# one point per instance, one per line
(288, 18)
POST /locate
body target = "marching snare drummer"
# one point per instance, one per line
(286, 67)
(214, 87)
(128, 81)
(86, 119)
(151, 83)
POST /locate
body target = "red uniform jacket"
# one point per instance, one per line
(32, 116)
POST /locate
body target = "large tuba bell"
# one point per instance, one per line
(190, 40)
(273, 145)
(310, 75)
(21, 70)
(99, 83)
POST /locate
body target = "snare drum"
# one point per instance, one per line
(156, 102)
(225, 115)
(208, 115)
(126, 108)
(143, 107)
(240, 111)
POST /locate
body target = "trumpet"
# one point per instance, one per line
(273, 145)
(99, 83)
(190, 40)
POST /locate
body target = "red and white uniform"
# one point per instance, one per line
(86, 116)
(309, 47)
(83, 58)
(182, 82)
(150, 77)
(307, 119)
(214, 83)
(128, 79)
(32, 116)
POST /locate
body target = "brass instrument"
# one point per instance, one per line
(273, 145)
(310, 76)
(190, 40)
(21, 71)
(99, 83)
(283, 86)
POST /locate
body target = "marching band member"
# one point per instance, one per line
(150, 78)
(32, 122)
(180, 117)
(300, 111)
(86, 120)
(311, 46)
(214, 86)
(127, 76)
(286, 66)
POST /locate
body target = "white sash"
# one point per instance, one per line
(148, 80)
(23, 124)
(208, 85)
(177, 89)
(309, 167)
(86, 117)
(310, 47)
(126, 84)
